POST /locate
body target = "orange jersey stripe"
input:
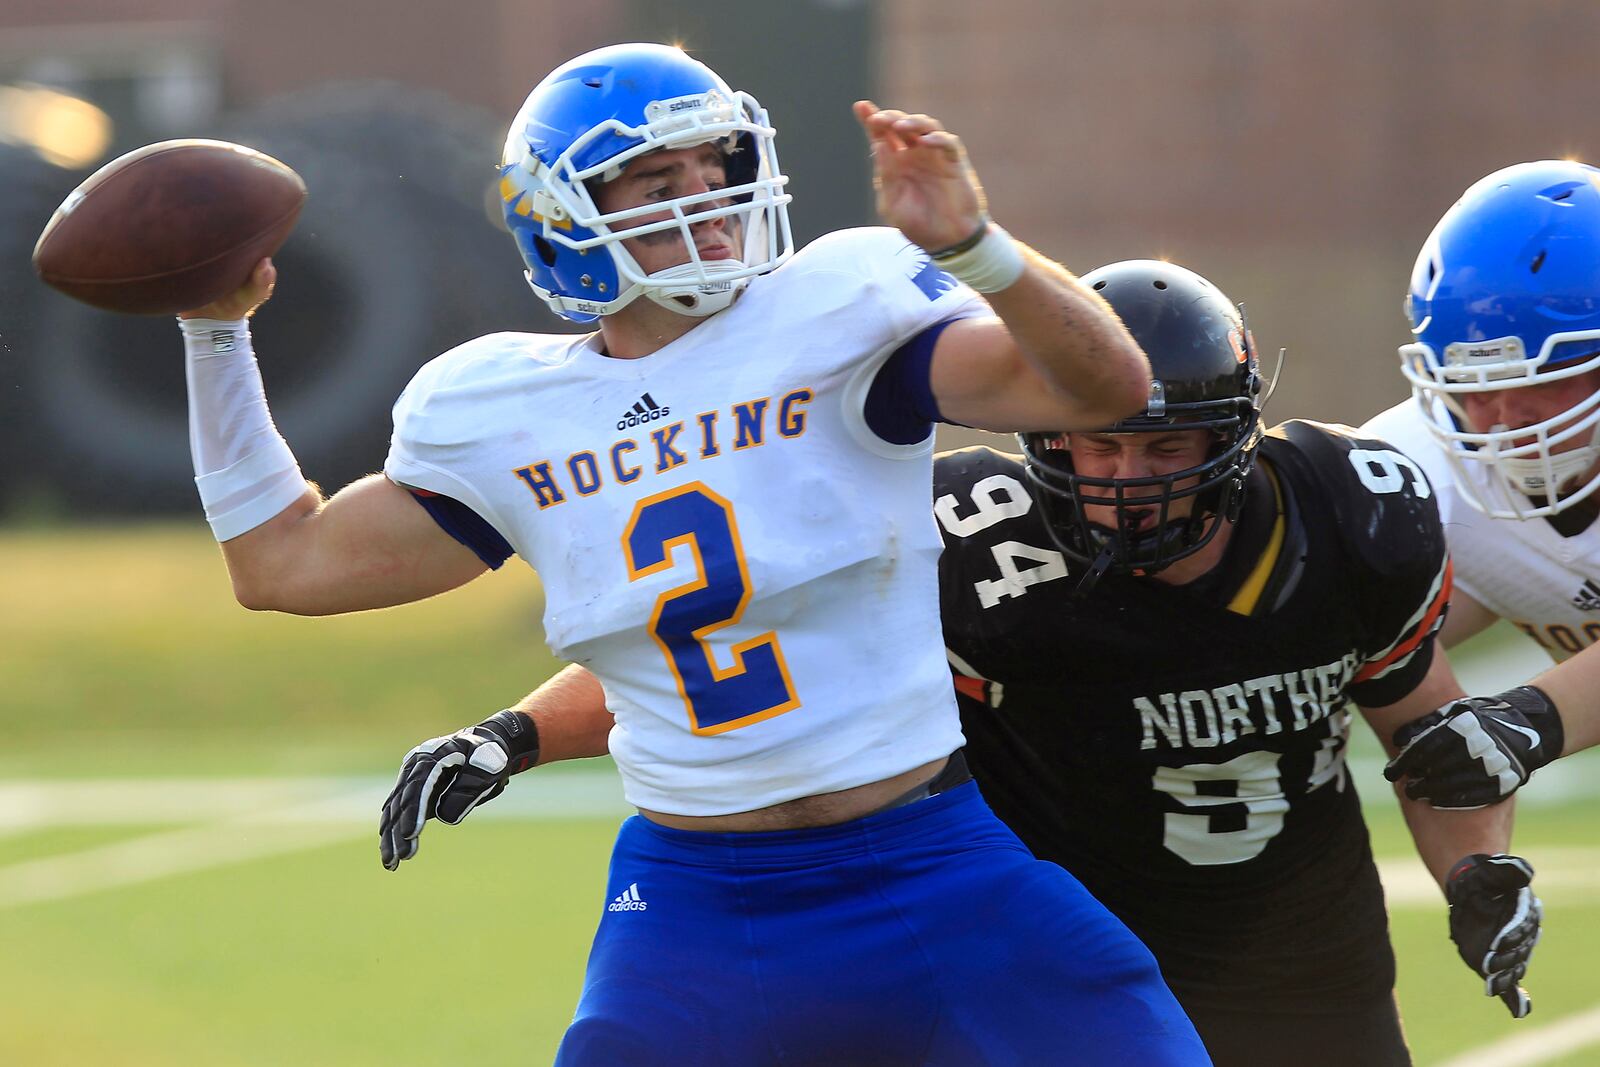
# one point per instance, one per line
(971, 687)
(1420, 634)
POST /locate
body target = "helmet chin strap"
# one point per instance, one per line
(1091, 577)
(1171, 536)
(694, 297)
(1528, 475)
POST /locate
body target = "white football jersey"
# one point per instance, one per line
(1523, 571)
(749, 570)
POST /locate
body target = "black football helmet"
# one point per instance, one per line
(1204, 376)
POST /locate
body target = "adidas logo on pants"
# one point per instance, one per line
(628, 900)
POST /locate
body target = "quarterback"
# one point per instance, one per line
(724, 490)
(1504, 305)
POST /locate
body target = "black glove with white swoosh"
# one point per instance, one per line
(446, 777)
(1494, 921)
(1478, 750)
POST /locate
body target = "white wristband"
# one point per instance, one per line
(993, 264)
(243, 467)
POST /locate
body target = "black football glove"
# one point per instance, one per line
(1477, 750)
(446, 777)
(1494, 921)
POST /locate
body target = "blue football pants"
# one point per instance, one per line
(922, 935)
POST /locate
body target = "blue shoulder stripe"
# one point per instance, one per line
(466, 526)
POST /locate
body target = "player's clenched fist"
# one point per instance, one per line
(446, 777)
(1494, 921)
(242, 302)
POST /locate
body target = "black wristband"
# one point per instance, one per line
(1541, 712)
(966, 244)
(519, 733)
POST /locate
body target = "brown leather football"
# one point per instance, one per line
(169, 227)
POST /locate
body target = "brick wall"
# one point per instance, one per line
(1297, 152)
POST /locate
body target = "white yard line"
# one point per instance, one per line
(152, 856)
(34, 804)
(37, 803)
(1540, 1045)
(223, 821)
(29, 804)
(239, 820)
(254, 818)
(1407, 883)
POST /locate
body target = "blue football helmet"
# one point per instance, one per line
(1505, 294)
(583, 124)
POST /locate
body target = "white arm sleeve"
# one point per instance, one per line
(243, 467)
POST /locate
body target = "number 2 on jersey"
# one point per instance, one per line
(757, 685)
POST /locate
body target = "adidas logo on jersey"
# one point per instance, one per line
(1588, 598)
(628, 900)
(644, 410)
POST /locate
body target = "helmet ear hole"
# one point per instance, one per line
(546, 251)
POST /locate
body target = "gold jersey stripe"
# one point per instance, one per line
(1244, 601)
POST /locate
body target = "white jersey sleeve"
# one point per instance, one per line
(748, 569)
(912, 292)
(1524, 571)
(448, 413)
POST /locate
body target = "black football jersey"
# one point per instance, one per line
(1180, 749)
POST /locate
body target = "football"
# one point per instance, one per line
(169, 227)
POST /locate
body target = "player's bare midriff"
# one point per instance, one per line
(824, 809)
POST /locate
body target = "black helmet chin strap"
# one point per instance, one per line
(1091, 577)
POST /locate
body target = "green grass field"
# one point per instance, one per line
(188, 855)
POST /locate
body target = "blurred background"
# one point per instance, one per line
(1295, 152)
(188, 791)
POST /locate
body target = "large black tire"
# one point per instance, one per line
(32, 188)
(395, 259)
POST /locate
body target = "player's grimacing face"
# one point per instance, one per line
(662, 176)
(1138, 455)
